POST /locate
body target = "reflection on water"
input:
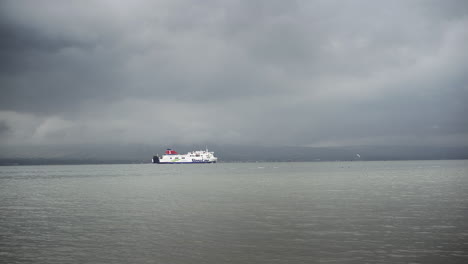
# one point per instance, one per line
(330, 212)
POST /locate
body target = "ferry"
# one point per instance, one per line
(172, 157)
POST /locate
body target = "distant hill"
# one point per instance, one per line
(138, 153)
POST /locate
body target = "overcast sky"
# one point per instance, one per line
(298, 73)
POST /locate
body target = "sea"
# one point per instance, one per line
(285, 212)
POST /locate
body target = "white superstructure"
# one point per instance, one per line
(172, 157)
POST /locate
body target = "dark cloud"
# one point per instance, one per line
(4, 129)
(265, 72)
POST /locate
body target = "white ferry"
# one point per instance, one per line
(172, 157)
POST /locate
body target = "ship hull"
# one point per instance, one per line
(195, 162)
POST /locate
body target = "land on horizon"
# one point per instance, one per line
(119, 154)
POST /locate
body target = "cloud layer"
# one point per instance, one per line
(302, 73)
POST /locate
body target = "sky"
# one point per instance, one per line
(264, 72)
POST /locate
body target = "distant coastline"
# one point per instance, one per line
(227, 154)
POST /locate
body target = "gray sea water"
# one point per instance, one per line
(320, 212)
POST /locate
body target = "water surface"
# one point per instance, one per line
(321, 212)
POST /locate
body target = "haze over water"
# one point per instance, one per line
(321, 212)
